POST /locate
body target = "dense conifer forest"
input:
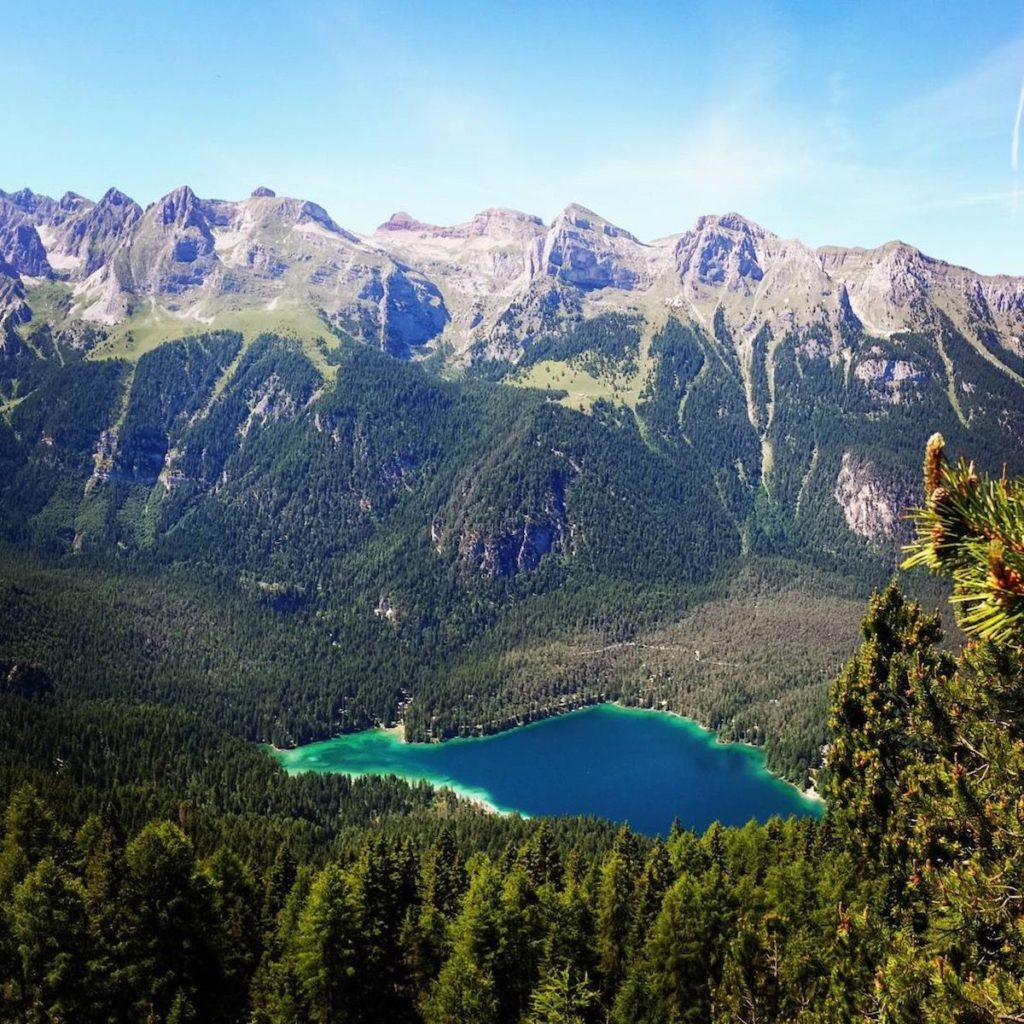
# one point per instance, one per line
(295, 546)
(218, 545)
(153, 867)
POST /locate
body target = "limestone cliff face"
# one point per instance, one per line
(513, 551)
(587, 252)
(873, 502)
(91, 238)
(21, 248)
(488, 287)
(13, 308)
(173, 248)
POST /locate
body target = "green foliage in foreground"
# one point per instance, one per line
(972, 529)
(902, 905)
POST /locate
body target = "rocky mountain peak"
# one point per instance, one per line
(312, 212)
(584, 250)
(498, 221)
(173, 247)
(262, 192)
(116, 198)
(72, 202)
(494, 222)
(26, 200)
(20, 244)
(583, 219)
(887, 286)
(94, 232)
(733, 223)
(721, 251)
(401, 221)
(180, 208)
(258, 214)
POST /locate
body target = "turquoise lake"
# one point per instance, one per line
(644, 767)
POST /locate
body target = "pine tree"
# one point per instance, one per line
(655, 879)
(615, 911)
(971, 529)
(465, 991)
(29, 835)
(50, 925)
(883, 723)
(237, 930)
(682, 959)
(169, 917)
(562, 997)
(325, 948)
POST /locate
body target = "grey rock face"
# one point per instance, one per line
(721, 251)
(29, 203)
(415, 312)
(13, 309)
(96, 233)
(172, 246)
(872, 501)
(519, 550)
(585, 251)
(20, 244)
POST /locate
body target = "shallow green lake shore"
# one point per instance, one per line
(626, 764)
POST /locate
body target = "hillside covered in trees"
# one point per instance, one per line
(153, 868)
(298, 538)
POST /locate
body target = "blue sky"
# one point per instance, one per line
(837, 122)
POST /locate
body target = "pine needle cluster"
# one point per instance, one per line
(971, 529)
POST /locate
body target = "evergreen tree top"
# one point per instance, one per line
(971, 529)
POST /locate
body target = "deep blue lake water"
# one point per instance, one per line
(644, 767)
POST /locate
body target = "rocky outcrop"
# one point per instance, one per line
(13, 308)
(173, 247)
(24, 679)
(589, 253)
(270, 402)
(721, 252)
(892, 381)
(873, 502)
(20, 244)
(514, 551)
(90, 239)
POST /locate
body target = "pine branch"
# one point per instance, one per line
(971, 529)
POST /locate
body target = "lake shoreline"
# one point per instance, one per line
(398, 731)
(606, 759)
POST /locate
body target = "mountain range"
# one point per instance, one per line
(483, 289)
(487, 471)
(112, 277)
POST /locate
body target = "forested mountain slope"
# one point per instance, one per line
(474, 474)
(191, 880)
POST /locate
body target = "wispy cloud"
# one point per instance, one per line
(779, 159)
(969, 106)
